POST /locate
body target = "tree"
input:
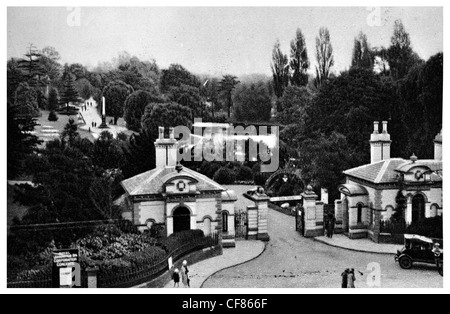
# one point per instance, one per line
(135, 107)
(14, 78)
(20, 140)
(167, 115)
(401, 56)
(108, 153)
(26, 100)
(84, 88)
(139, 154)
(324, 56)
(280, 70)
(50, 62)
(299, 62)
(176, 75)
(291, 108)
(69, 94)
(70, 133)
(187, 96)
(115, 94)
(226, 87)
(53, 100)
(362, 54)
(32, 66)
(252, 103)
(210, 93)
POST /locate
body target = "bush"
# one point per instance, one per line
(429, 227)
(245, 174)
(178, 239)
(224, 176)
(52, 116)
(209, 168)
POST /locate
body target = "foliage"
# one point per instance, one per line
(53, 100)
(70, 132)
(244, 173)
(291, 108)
(324, 56)
(210, 168)
(52, 116)
(20, 141)
(139, 154)
(225, 176)
(280, 70)
(299, 62)
(32, 67)
(84, 88)
(135, 106)
(166, 114)
(362, 54)
(175, 76)
(178, 239)
(252, 103)
(116, 93)
(26, 100)
(50, 63)
(400, 56)
(187, 96)
(429, 227)
(69, 93)
(226, 87)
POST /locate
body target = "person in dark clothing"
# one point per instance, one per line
(176, 278)
(331, 225)
(345, 278)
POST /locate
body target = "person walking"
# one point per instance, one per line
(176, 278)
(331, 225)
(344, 276)
(351, 279)
(185, 275)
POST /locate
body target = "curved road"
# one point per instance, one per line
(291, 261)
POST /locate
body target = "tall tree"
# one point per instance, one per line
(188, 96)
(226, 87)
(115, 94)
(20, 140)
(32, 66)
(252, 103)
(401, 56)
(70, 133)
(176, 75)
(299, 62)
(324, 56)
(291, 108)
(53, 99)
(135, 108)
(362, 54)
(26, 100)
(69, 94)
(280, 70)
(166, 115)
(50, 62)
(139, 154)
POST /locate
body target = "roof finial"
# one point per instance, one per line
(413, 158)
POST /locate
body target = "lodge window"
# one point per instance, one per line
(224, 222)
(360, 211)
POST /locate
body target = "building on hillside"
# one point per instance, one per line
(177, 198)
(369, 194)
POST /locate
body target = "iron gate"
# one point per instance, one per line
(240, 224)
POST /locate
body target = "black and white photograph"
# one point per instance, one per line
(193, 147)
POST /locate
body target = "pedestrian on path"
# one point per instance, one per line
(331, 225)
(344, 276)
(351, 279)
(185, 275)
(176, 278)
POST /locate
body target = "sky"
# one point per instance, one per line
(213, 40)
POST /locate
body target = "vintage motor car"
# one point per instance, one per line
(419, 249)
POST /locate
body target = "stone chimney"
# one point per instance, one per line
(438, 146)
(166, 149)
(380, 143)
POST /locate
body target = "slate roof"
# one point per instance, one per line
(353, 189)
(151, 182)
(379, 172)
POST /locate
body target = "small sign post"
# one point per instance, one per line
(66, 269)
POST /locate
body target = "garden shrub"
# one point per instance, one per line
(429, 227)
(225, 176)
(176, 240)
(52, 116)
(209, 168)
(245, 174)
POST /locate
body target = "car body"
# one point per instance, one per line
(419, 249)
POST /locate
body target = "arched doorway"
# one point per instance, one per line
(418, 208)
(181, 219)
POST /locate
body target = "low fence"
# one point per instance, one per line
(138, 275)
(132, 276)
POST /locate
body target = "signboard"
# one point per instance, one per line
(66, 268)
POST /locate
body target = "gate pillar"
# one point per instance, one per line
(313, 214)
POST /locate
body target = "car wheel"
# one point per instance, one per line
(405, 262)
